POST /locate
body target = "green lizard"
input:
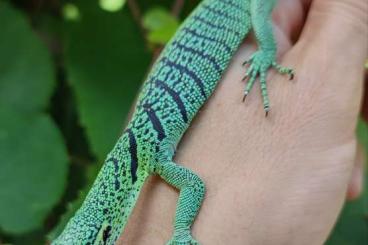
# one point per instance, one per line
(181, 81)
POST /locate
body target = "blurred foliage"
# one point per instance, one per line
(106, 63)
(69, 73)
(70, 12)
(161, 25)
(112, 5)
(34, 168)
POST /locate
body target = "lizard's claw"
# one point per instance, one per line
(284, 70)
(248, 61)
(259, 64)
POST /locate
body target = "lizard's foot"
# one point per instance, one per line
(182, 238)
(259, 63)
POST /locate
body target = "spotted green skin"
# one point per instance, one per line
(181, 81)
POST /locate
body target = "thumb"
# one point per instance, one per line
(337, 21)
(335, 38)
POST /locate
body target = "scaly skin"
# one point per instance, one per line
(181, 81)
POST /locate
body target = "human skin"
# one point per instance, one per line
(281, 179)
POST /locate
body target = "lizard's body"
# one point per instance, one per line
(181, 81)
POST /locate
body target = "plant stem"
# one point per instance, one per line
(177, 7)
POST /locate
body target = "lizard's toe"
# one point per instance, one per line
(259, 64)
(183, 238)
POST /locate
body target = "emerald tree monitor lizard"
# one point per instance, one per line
(181, 81)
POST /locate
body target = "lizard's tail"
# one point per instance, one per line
(108, 205)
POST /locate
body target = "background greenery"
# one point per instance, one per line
(69, 72)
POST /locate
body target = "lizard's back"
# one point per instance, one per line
(188, 69)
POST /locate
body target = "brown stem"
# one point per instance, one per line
(137, 15)
(177, 7)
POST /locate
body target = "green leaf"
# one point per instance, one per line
(352, 226)
(26, 72)
(71, 12)
(32, 170)
(112, 5)
(106, 62)
(161, 25)
(33, 164)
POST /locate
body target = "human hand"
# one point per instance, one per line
(281, 179)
